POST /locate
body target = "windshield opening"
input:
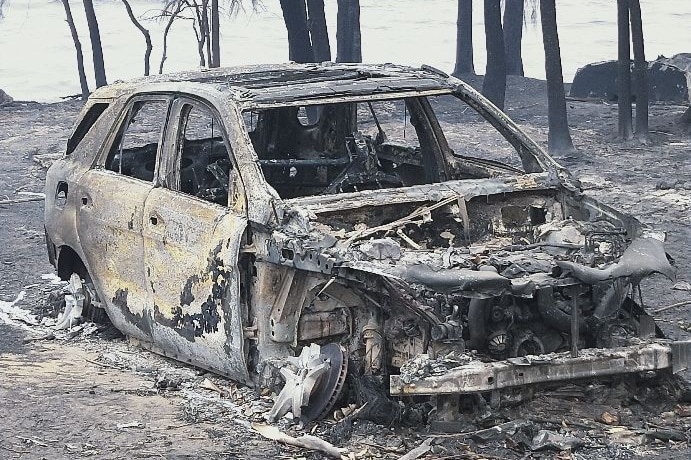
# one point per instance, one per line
(369, 145)
(470, 136)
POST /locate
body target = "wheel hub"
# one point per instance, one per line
(313, 383)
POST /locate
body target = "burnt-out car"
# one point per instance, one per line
(323, 224)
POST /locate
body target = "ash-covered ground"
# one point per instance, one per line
(91, 394)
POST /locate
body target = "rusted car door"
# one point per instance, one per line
(191, 245)
(111, 209)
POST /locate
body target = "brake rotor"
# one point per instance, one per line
(329, 387)
(313, 383)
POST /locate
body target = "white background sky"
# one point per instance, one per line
(37, 58)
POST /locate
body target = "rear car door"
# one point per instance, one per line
(111, 208)
(193, 227)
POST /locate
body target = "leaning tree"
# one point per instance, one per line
(145, 33)
(78, 47)
(172, 10)
(96, 49)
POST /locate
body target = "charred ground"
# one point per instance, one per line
(57, 394)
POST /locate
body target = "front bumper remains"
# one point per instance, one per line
(477, 376)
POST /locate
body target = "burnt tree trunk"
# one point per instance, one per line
(494, 83)
(295, 18)
(96, 50)
(559, 137)
(640, 69)
(513, 35)
(147, 37)
(464, 38)
(198, 26)
(171, 19)
(318, 30)
(199, 37)
(624, 74)
(205, 27)
(215, 60)
(348, 37)
(78, 47)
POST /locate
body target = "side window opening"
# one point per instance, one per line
(87, 121)
(134, 150)
(205, 163)
(394, 127)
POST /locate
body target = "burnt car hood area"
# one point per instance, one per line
(320, 231)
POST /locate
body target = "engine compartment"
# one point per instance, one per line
(483, 279)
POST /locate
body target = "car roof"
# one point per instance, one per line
(277, 84)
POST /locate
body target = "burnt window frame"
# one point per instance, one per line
(169, 172)
(120, 124)
(533, 158)
(87, 121)
(427, 132)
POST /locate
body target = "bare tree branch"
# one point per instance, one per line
(179, 6)
(205, 24)
(199, 33)
(78, 47)
(145, 32)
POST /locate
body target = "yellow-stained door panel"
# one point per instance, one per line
(109, 225)
(191, 249)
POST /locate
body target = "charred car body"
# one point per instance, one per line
(330, 220)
